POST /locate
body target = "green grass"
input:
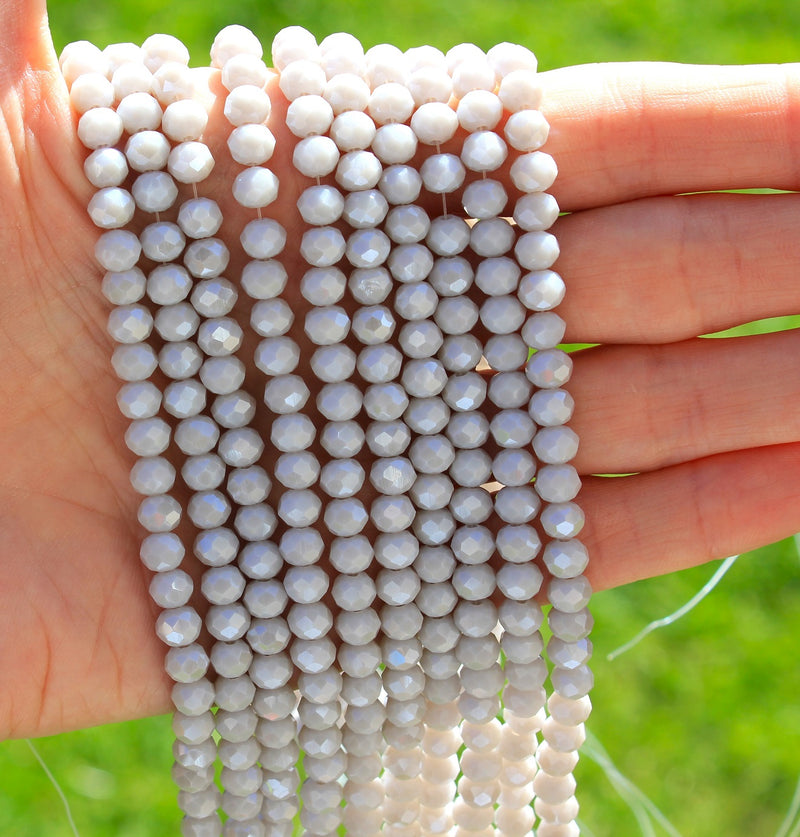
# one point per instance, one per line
(702, 715)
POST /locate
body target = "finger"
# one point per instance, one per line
(624, 131)
(639, 409)
(24, 39)
(665, 269)
(647, 525)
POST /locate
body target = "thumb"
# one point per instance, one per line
(25, 41)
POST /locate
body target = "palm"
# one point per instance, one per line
(78, 644)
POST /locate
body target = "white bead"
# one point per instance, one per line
(333, 363)
(492, 237)
(190, 162)
(309, 115)
(472, 545)
(91, 90)
(390, 102)
(247, 105)
(105, 167)
(352, 130)
(483, 151)
(184, 120)
(420, 339)
(544, 330)
(154, 191)
(541, 290)
(534, 172)
(153, 475)
(203, 472)
(434, 123)
(147, 151)
(468, 429)
(526, 130)
(173, 81)
(520, 90)
(563, 520)
(484, 199)
(342, 439)
(141, 399)
(442, 173)
(346, 92)
(515, 466)
(394, 143)
(264, 279)
(301, 546)
(158, 49)
(222, 375)
(475, 74)
(384, 63)
(134, 362)
(392, 514)
(549, 368)
(536, 250)
(199, 217)
(430, 84)
(479, 110)
(400, 184)
(100, 127)
(286, 394)
(358, 171)
(130, 324)
(302, 77)
(255, 187)
(322, 246)
(263, 238)
(251, 145)
(206, 258)
(131, 78)
(244, 68)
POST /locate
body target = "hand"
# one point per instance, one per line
(709, 425)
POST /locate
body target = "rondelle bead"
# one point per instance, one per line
(251, 145)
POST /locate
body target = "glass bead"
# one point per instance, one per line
(392, 514)
(491, 237)
(251, 145)
(437, 599)
(255, 187)
(178, 627)
(431, 491)
(147, 436)
(557, 483)
(184, 120)
(396, 550)
(448, 235)
(544, 330)
(339, 401)
(434, 527)
(162, 241)
(512, 429)
(471, 468)
(334, 363)
(231, 659)
(455, 315)
(505, 352)
(206, 258)
(265, 599)
(471, 505)
(323, 286)
(130, 323)
(479, 110)
(264, 279)
(105, 167)
(216, 547)
(111, 208)
(367, 248)
(390, 102)
(190, 162)
(357, 628)
(410, 262)
(541, 290)
(152, 475)
(533, 172)
(117, 250)
(394, 143)
(161, 552)
(536, 250)
(322, 246)
(555, 445)
(519, 581)
(460, 353)
(442, 173)
(342, 440)
(313, 657)
(347, 92)
(309, 115)
(286, 394)
(536, 211)
(161, 513)
(514, 466)
(520, 88)
(243, 69)
(176, 322)
(400, 184)
(570, 626)
(131, 78)
(380, 363)
(208, 509)
(471, 545)
(100, 127)
(222, 585)
(199, 217)
(247, 104)
(434, 564)
(426, 415)
(483, 151)
(484, 199)
(434, 123)
(563, 520)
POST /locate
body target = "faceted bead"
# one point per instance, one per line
(562, 520)
(392, 514)
(251, 145)
(557, 483)
(365, 210)
(323, 286)
(427, 415)
(456, 315)
(400, 184)
(541, 290)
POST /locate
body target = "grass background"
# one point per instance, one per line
(703, 716)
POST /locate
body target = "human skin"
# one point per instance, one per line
(709, 427)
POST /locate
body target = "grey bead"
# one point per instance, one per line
(380, 363)
(388, 438)
(214, 297)
(216, 547)
(184, 399)
(427, 416)
(369, 286)
(235, 409)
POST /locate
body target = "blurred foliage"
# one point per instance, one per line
(702, 715)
